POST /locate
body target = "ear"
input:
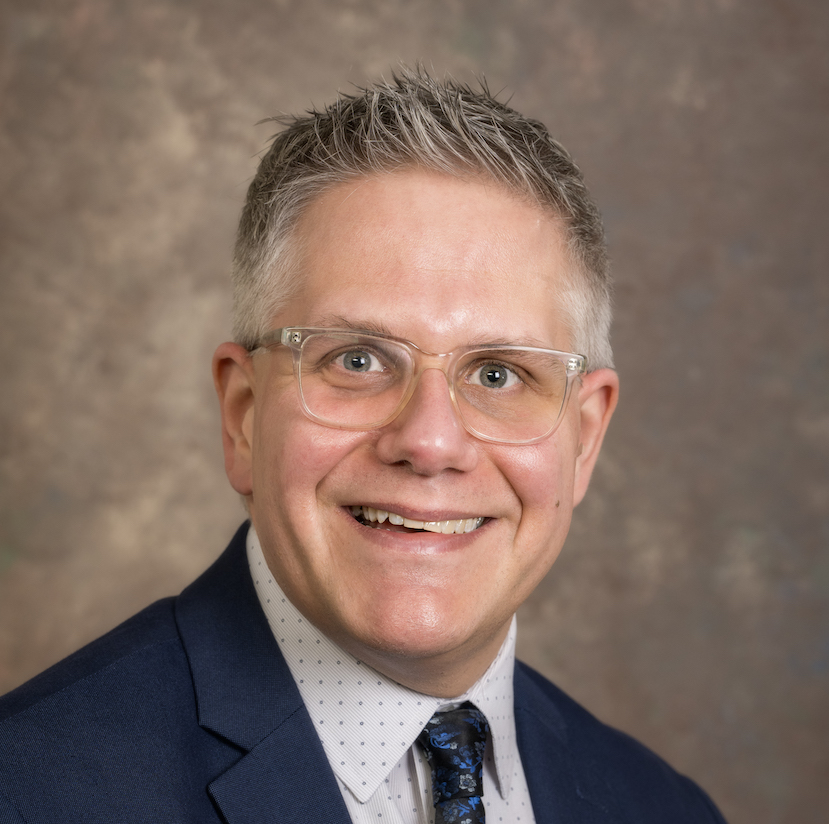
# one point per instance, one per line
(598, 394)
(234, 382)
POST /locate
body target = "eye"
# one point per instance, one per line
(358, 360)
(494, 376)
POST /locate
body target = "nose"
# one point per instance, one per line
(427, 435)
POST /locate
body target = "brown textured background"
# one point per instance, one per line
(691, 607)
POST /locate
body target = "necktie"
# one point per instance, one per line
(454, 742)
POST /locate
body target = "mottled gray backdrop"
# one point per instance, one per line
(690, 607)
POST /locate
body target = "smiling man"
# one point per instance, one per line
(412, 407)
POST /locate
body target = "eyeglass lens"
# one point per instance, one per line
(360, 381)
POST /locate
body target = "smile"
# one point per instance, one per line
(375, 517)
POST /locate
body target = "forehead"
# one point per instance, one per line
(432, 256)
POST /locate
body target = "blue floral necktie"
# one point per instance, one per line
(455, 741)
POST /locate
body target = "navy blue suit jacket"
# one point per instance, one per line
(188, 713)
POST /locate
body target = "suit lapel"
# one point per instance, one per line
(284, 778)
(246, 695)
(561, 793)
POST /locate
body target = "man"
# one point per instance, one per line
(414, 402)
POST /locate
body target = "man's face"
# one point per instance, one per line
(443, 263)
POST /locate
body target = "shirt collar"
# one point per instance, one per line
(367, 722)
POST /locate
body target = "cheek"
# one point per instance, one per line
(292, 457)
(542, 477)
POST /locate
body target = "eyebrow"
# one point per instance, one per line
(379, 328)
(359, 325)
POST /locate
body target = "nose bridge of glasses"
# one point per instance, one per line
(427, 362)
(430, 360)
(427, 413)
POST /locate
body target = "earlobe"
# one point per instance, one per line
(597, 398)
(234, 382)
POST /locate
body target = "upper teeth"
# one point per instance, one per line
(458, 526)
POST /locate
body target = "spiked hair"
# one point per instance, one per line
(415, 122)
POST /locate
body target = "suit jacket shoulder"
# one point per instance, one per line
(184, 713)
(610, 776)
(100, 736)
(151, 627)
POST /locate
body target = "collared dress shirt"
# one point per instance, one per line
(368, 724)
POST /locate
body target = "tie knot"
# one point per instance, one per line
(454, 742)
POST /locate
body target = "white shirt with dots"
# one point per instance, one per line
(368, 724)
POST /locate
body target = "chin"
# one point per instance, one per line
(410, 634)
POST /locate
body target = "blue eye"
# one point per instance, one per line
(494, 376)
(358, 360)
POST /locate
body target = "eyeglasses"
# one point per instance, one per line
(359, 380)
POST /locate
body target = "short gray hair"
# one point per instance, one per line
(415, 121)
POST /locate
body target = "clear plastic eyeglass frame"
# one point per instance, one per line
(296, 339)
